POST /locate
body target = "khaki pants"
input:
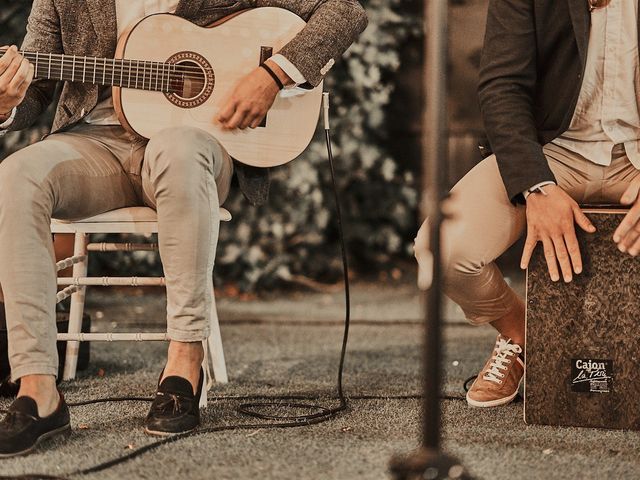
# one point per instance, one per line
(485, 224)
(183, 173)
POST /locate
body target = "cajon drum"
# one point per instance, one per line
(583, 338)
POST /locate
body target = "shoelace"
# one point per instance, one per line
(504, 350)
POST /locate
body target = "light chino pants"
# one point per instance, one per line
(183, 173)
(484, 224)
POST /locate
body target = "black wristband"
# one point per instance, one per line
(273, 75)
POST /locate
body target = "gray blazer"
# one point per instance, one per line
(88, 27)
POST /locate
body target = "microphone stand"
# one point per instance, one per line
(429, 462)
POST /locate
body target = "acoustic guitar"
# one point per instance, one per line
(171, 72)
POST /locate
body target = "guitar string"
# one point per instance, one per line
(155, 67)
(58, 69)
(139, 75)
(171, 88)
(110, 68)
(56, 72)
(150, 71)
(59, 59)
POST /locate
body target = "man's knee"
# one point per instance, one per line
(183, 148)
(18, 179)
(460, 255)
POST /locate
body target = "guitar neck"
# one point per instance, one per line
(136, 74)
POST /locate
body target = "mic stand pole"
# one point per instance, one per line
(428, 462)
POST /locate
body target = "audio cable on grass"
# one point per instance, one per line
(318, 413)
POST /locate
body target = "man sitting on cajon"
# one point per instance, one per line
(560, 99)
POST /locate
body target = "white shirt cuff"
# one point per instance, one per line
(8, 122)
(528, 192)
(289, 68)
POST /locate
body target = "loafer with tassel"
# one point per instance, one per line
(22, 429)
(175, 408)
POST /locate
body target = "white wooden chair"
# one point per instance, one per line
(134, 220)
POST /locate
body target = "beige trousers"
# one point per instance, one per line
(183, 173)
(485, 224)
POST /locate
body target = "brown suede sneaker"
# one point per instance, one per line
(498, 382)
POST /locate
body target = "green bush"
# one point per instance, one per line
(294, 237)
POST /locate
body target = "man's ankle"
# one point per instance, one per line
(43, 389)
(512, 325)
(186, 350)
(184, 359)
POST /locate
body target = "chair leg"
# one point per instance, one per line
(205, 381)
(215, 347)
(77, 307)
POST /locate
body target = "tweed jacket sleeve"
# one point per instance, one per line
(332, 26)
(43, 35)
(508, 77)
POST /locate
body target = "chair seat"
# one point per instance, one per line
(132, 214)
(122, 220)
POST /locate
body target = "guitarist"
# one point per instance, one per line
(90, 164)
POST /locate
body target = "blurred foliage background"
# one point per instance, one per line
(376, 98)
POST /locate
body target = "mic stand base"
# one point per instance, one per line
(427, 464)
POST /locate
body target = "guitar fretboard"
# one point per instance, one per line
(137, 74)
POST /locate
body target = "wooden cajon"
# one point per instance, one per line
(583, 338)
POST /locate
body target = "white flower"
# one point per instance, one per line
(388, 169)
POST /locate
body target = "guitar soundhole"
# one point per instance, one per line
(192, 80)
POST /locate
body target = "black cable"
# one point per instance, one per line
(466, 384)
(363, 396)
(109, 400)
(322, 413)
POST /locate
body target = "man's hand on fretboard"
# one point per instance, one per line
(16, 74)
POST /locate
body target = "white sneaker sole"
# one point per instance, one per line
(491, 403)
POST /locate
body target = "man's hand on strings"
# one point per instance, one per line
(252, 98)
(16, 74)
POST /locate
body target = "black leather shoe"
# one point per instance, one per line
(8, 388)
(175, 409)
(22, 429)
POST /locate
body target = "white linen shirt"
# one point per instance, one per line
(608, 111)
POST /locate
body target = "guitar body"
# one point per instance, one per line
(219, 57)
